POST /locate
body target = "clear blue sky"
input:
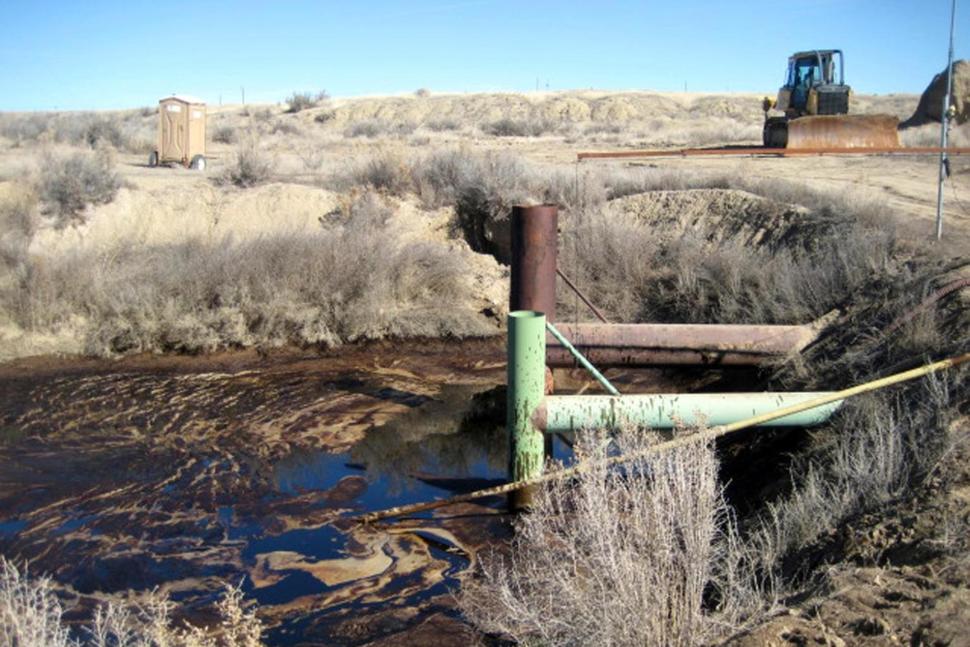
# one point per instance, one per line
(91, 55)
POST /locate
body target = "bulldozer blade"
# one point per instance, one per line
(844, 131)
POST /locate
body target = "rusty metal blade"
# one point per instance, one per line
(844, 131)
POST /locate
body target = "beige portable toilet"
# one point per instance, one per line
(181, 132)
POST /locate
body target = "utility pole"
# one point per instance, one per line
(944, 127)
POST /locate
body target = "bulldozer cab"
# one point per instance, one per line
(814, 84)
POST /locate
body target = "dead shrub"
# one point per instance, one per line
(878, 449)
(31, 615)
(18, 224)
(645, 554)
(713, 274)
(104, 130)
(68, 185)
(281, 127)
(372, 128)
(311, 155)
(224, 135)
(442, 125)
(129, 130)
(388, 173)
(250, 166)
(518, 127)
(352, 280)
(299, 101)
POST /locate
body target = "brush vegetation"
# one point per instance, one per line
(31, 615)
(353, 280)
(619, 557)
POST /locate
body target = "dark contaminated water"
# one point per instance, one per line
(186, 475)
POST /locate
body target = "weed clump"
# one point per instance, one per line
(300, 101)
(68, 185)
(250, 166)
(31, 615)
(517, 127)
(619, 556)
(224, 135)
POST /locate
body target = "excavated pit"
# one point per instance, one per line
(183, 473)
(187, 472)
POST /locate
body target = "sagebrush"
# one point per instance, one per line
(643, 555)
(31, 615)
(67, 185)
(353, 279)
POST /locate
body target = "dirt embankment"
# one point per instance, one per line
(930, 106)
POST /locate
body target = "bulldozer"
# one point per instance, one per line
(815, 106)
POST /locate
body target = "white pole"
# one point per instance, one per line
(944, 126)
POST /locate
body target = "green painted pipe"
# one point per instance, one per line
(582, 360)
(566, 413)
(527, 382)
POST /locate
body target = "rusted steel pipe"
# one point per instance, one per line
(686, 344)
(582, 297)
(534, 241)
(779, 152)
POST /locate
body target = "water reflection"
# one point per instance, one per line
(455, 442)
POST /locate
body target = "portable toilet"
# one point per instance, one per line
(181, 132)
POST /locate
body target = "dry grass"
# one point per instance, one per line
(31, 615)
(373, 128)
(251, 165)
(131, 130)
(646, 555)
(19, 219)
(352, 280)
(929, 135)
(517, 128)
(879, 449)
(68, 185)
(808, 263)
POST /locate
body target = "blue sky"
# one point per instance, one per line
(96, 55)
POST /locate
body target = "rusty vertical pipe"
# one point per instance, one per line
(534, 242)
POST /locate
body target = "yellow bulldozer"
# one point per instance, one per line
(815, 106)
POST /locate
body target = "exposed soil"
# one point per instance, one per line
(895, 576)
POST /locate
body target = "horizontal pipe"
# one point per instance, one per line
(780, 152)
(707, 435)
(687, 344)
(569, 413)
(557, 357)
